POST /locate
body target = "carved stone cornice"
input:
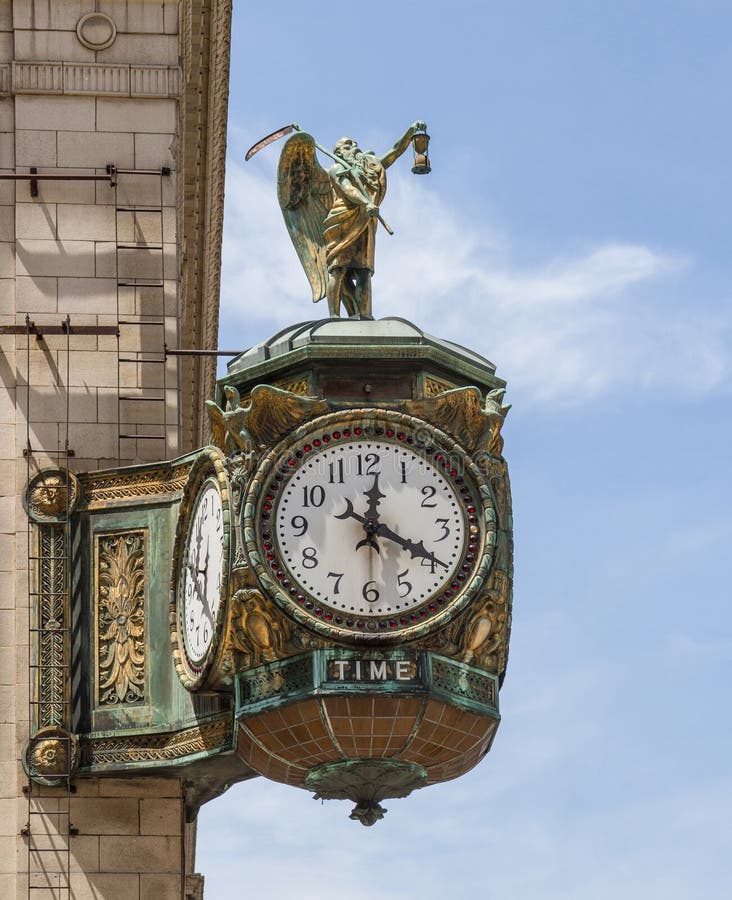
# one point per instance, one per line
(205, 39)
(113, 79)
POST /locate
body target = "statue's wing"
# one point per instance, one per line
(217, 419)
(459, 412)
(305, 193)
(273, 412)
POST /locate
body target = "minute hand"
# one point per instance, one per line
(415, 548)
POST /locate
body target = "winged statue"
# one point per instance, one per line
(270, 414)
(463, 413)
(332, 214)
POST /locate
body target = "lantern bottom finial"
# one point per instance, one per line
(366, 782)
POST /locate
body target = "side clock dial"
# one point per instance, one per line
(371, 526)
(201, 569)
(202, 573)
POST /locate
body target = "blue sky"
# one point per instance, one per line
(574, 230)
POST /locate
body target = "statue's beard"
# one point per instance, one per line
(370, 164)
(350, 156)
(366, 163)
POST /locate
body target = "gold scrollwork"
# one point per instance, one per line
(102, 489)
(300, 386)
(259, 632)
(120, 617)
(52, 612)
(51, 495)
(483, 637)
(52, 756)
(207, 736)
(434, 386)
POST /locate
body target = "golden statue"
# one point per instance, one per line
(332, 215)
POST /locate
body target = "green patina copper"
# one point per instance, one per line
(340, 671)
(131, 711)
(368, 782)
(350, 361)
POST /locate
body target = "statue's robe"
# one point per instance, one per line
(349, 230)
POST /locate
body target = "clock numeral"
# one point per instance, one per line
(309, 558)
(366, 465)
(370, 594)
(335, 472)
(337, 585)
(299, 524)
(314, 496)
(428, 492)
(429, 561)
(403, 583)
(445, 530)
(404, 472)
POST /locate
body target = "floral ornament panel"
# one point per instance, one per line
(120, 617)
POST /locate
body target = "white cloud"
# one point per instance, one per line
(567, 329)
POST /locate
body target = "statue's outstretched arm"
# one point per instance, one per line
(391, 156)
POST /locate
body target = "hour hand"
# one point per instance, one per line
(370, 526)
(202, 571)
(350, 513)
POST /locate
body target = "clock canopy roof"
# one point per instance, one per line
(342, 358)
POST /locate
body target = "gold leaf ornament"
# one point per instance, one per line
(121, 618)
(270, 414)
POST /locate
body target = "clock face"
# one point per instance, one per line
(202, 571)
(370, 530)
(370, 527)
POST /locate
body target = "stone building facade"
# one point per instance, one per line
(100, 273)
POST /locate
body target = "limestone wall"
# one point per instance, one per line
(72, 103)
(129, 845)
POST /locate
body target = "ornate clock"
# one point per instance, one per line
(370, 525)
(201, 568)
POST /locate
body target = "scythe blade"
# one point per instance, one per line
(276, 135)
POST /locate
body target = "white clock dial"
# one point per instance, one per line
(370, 528)
(202, 572)
(373, 528)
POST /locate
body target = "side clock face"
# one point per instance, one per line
(201, 575)
(202, 572)
(371, 529)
